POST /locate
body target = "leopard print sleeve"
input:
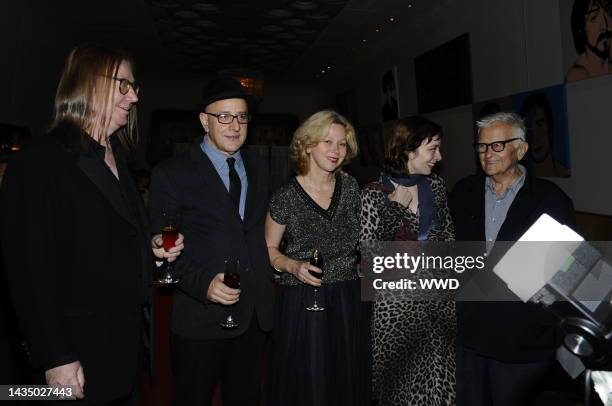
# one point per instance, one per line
(380, 218)
(445, 231)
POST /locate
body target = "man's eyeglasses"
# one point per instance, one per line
(497, 146)
(125, 84)
(227, 118)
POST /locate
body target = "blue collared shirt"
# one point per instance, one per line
(219, 161)
(496, 207)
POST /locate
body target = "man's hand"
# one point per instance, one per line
(157, 244)
(219, 292)
(68, 375)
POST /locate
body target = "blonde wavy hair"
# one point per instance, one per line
(314, 130)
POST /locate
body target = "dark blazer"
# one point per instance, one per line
(507, 331)
(214, 232)
(76, 247)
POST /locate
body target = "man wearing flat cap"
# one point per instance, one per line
(221, 195)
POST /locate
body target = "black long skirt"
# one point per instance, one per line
(320, 358)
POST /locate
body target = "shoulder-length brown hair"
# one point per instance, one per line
(313, 131)
(407, 135)
(85, 92)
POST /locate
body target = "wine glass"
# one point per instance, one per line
(170, 234)
(231, 278)
(316, 259)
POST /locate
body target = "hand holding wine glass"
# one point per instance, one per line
(169, 237)
(316, 260)
(220, 292)
(157, 245)
(231, 278)
(308, 273)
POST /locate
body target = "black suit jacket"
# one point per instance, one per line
(507, 331)
(214, 232)
(76, 247)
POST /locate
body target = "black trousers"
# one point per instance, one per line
(483, 381)
(198, 365)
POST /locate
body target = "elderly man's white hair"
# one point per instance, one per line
(512, 119)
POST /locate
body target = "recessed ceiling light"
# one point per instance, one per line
(377, 30)
(272, 28)
(304, 5)
(317, 17)
(286, 35)
(306, 31)
(170, 21)
(363, 40)
(280, 13)
(205, 37)
(205, 7)
(392, 19)
(187, 14)
(329, 67)
(205, 24)
(294, 22)
(165, 4)
(297, 43)
(409, 5)
(189, 29)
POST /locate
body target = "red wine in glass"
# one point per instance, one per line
(316, 259)
(169, 236)
(231, 278)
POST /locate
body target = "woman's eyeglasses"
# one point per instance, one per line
(125, 85)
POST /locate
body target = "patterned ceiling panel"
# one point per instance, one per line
(265, 35)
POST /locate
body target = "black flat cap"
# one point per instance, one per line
(225, 87)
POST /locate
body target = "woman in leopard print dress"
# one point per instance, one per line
(413, 341)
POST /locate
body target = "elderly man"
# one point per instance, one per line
(221, 193)
(591, 31)
(505, 349)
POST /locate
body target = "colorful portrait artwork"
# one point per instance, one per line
(545, 114)
(587, 51)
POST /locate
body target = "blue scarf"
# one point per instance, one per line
(427, 207)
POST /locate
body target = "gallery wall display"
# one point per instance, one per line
(586, 27)
(390, 104)
(444, 75)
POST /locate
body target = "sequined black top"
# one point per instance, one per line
(334, 232)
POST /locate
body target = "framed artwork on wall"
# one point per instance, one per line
(390, 105)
